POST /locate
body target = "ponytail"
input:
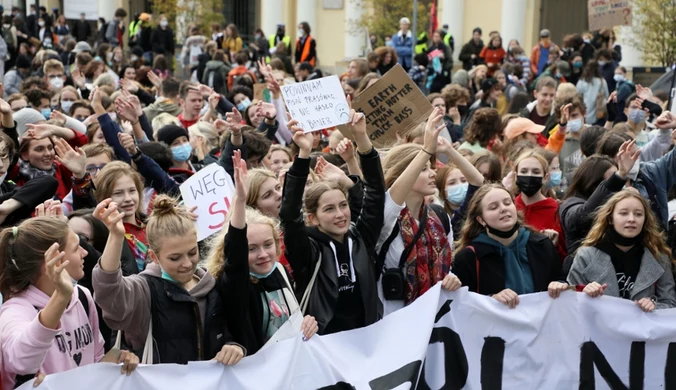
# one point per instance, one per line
(22, 252)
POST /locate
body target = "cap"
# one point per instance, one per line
(445, 26)
(25, 116)
(488, 84)
(82, 46)
(405, 20)
(144, 16)
(22, 62)
(169, 133)
(544, 33)
(518, 126)
(563, 67)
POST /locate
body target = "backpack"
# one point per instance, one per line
(7, 36)
(380, 257)
(214, 78)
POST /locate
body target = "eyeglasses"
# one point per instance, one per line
(5, 157)
(94, 169)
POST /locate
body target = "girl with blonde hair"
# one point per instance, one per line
(625, 255)
(245, 263)
(204, 140)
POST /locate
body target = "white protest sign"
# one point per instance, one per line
(444, 340)
(211, 190)
(317, 104)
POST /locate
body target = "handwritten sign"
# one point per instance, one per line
(211, 190)
(317, 104)
(394, 103)
(609, 13)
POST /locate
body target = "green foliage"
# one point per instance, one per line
(657, 37)
(382, 16)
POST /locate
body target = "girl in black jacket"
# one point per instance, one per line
(245, 263)
(501, 258)
(331, 256)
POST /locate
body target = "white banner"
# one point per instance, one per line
(469, 342)
(73, 9)
(317, 104)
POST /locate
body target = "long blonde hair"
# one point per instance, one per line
(257, 177)
(530, 154)
(472, 228)
(216, 258)
(110, 174)
(397, 160)
(652, 235)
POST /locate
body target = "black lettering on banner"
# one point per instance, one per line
(405, 374)
(591, 355)
(492, 361)
(339, 386)
(670, 368)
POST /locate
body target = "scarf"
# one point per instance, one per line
(430, 260)
(518, 275)
(29, 171)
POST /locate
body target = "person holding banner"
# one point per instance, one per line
(48, 324)
(244, 262)
(415, 243)
(499, 256)
(625, 255)
(173, 304)
(332, 257)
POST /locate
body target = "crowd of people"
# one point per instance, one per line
(552, 172)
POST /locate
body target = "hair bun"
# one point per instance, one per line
(164, 205)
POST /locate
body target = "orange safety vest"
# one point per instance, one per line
(306, 50)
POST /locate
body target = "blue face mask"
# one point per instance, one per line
(554, 179)
(578, 64)
(46, 112)
(636, 116)
(166, 276)
(455, 194)
(241, 106)
(181, 152)
(263, 276)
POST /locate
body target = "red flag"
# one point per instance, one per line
(434, 22)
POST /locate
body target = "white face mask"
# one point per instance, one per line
(301, 32)
(41, 24)
(164, 23)
(56, 82)
(574, 125)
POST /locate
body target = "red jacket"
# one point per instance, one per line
(493, 58)
(543, 215)
(238, 71)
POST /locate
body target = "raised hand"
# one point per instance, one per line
(345, 150)
(434, 125)
(55, 268)
(302, 139)
(220, 125)
(552, 235)
(205, 90)
(565, 113)
(612, 98)
(309, 327)
(444, 146)
(234, 118)
(214, 98)
(455, 115)
(127, 142)
(155, 79)
(643, 92)
(626, 159)
(128, 85)
(329, 172)
(267, 110)
(39, 131)
(73, 159)
(5, 108)
(666, 120)
(126, 110)
(78, 78)
(107, 212)
(556, 288)
(50, 208)
(241, 175)
(59, 117)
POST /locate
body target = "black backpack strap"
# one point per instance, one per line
(443, 216)
(380, 260)
(83, 299)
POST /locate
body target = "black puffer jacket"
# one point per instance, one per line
(303, 251)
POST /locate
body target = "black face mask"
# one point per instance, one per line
(502, 234)
(462, 109)
(616, 238)
(529, 185)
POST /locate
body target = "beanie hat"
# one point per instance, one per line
(169, 133)
(82, 46)
(26, 116)
(22, 62)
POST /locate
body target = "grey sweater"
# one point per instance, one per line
(654, 280)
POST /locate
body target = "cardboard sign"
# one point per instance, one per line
(394, 103)
(262, 93)
(317, 104)
(211, 190)
(609, 13)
